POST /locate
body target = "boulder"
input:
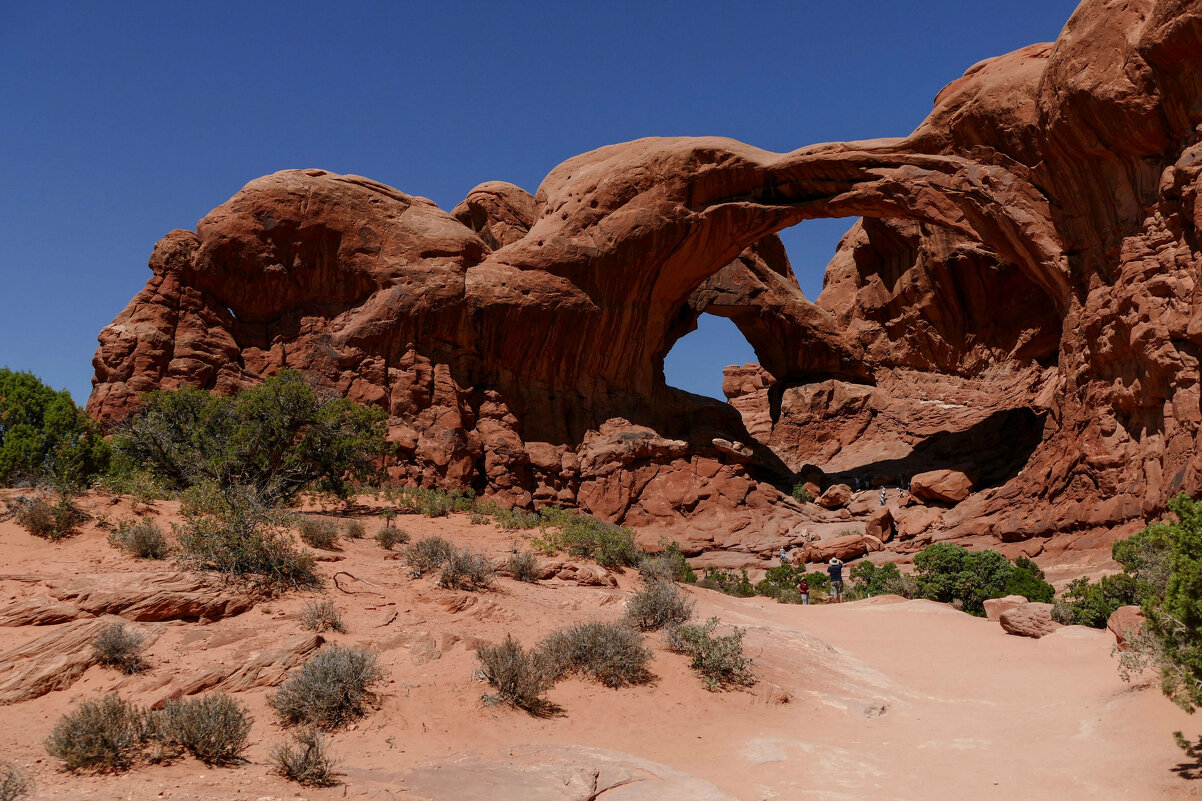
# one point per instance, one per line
(835, 496)
(944, 486)
(1124, 623)
(736, 451)
(880, 524)
(1029, 620)
(846, 548)
(994, 607)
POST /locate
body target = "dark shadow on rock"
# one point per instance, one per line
(990, 452)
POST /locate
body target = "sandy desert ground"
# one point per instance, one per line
(878, 699)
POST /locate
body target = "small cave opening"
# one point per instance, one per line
(696, 360)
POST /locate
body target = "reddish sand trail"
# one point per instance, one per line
(880, 699)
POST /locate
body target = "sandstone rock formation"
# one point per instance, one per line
(55, 660)
(1019, 302)
(994, 607)
(1029, 620)
(1124, 623)
(947, 486)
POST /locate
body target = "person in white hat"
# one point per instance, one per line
(835, 570)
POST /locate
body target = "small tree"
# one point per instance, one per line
(951, 573)
(45, 436)
(277, 439)
(1172, 636)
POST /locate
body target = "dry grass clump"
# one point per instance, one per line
(458, 568)
(213, 728)
(50, 521)
(428, 554)
(243, 538)
(467, 570)
(611, 653)
(14, 782)
(104, 734)
(142, 539)
(308, 763)
(330, 690)
(657, 604)
(321, 616)
(389, 537)
(318, 532)
(718, 660)
(521, 677)
(116, 646)
(523, 566)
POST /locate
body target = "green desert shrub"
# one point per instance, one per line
(330, 690)
(430, 502)
(779, 579)
(102, 734)
(520, 677)
(658, 603)
(789, 597)
(306, 761)
(868, 579)
(669, 563)
(1165, 561)
(276, 439)
(354, 530)
(14, 782)
(118, 647)
(50, 520)
(45, 436)
(235, 534)
(322, 616)
(954, 574)
(610, 653)
(718, 660)
(579, 534)
(523, 566)
(143, 539)
(516, 519)
(1091, 603)
(125, 478)
(213, 728)
(1027, 580)
(389, 537)
(317, 532)
(728, 582)
(801, 494)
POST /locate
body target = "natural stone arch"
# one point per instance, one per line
(626, 234)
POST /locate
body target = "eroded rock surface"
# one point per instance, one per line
(1029, 620)
(56, 659)
(1026, 271)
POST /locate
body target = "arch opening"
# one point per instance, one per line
(696, 361)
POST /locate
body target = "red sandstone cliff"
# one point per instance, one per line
(1028, 258)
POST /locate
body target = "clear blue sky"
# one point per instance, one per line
(123, 120)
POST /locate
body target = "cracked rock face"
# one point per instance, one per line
(1034, 242)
